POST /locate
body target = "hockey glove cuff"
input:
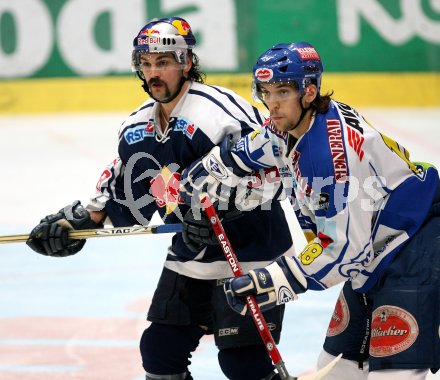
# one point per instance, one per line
(276, 284)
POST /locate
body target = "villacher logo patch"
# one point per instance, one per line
(393, 330)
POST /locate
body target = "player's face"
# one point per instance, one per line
(162, 74)
(282, 100)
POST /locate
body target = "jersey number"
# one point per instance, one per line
(310, 253)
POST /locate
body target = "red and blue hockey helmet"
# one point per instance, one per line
(172, 35)
(298, 62)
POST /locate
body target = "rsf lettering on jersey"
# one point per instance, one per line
(185, 126)
(139, 133)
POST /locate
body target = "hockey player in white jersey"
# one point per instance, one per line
(370, 216)
(183, 120)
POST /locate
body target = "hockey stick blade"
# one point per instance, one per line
(105, 232)
(324, 371)
(318, 375)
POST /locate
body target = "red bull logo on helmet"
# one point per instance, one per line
(149, 36)
(148, 40)
(182, 26)
(264, 74)
(149, 32)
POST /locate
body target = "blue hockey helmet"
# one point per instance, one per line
(163, 35)
(298, 62)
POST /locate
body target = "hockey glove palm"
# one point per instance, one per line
(276, 284)
(197, 231)
(50, 237)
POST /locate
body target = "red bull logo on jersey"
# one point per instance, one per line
(264, 74)
(165, 190)
(139, 132)
(393, 330)
(186, 127)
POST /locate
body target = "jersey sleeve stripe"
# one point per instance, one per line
(258, 115)
(142, 108)
(229, 96)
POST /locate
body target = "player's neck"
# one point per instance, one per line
(164, 117)
(165, 109)
(304, 126)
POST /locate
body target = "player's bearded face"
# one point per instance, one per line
(162, 74)
(282, 100)
(160, 89)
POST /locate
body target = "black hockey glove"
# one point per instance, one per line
(50, 237)
(197, 231)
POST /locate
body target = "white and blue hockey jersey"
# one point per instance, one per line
(145, 179)
(357, 196)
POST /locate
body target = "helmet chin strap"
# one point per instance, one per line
(183, 79)
(291, 141)
(303, 112)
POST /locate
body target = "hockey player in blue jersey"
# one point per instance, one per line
(183, 120)
(370, 216)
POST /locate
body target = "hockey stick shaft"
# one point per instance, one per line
(105, 232)
(252, 305)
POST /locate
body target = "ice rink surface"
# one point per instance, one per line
(81, 317)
